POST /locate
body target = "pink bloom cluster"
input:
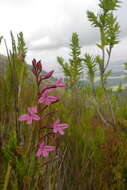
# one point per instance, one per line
(57, 128)
(46, 99)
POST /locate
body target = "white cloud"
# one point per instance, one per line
(48, 25)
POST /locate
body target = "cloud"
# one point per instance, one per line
(48, 26)
(122, 14)
(71, 18)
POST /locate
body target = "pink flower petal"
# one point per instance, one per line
(57, 122)
(23, 117)
(43, 149)
(35, 117)
(50, 90)
(45, 153)
(48, 75)
(41, 100)
(64, 125)
(41, 144)
(50, 148)
(29, 120)
(32, 110)
(47, 100)
(54, 130)
(38, 153)
(59, 128)
(60, 84)
(61, 131)
(59, 80)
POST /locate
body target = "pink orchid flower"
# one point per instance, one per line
(52, 87)
(44, 150)
(47, 99)
(59, 127)
(30, 116)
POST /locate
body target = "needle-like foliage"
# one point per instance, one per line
(73, 68)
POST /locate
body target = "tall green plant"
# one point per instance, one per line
(73, 68)
(91, 69)
(109, 29)
(16, 70)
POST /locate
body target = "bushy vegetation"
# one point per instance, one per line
(37, 152)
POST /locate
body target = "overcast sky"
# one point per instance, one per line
(48, 25)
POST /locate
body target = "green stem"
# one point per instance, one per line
(21, 81)
(7, 176)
